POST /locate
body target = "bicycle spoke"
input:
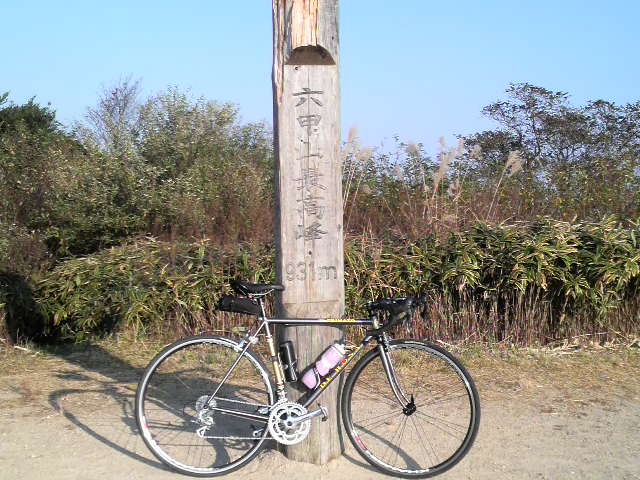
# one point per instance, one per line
(379, 422)
(387, 400)
(435, 392)
(385, 414)
(444, 399)
(182, 382)
(399, 443)
(392, 442)
(435, 456)
(201, 453)
(176, 412)
(172, 402)
(426, 433)
(452, 425)
(168, 426)
(443, 428)
(174, 432)
(188, 453)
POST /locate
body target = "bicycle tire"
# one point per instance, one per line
(377, 424)
(172, 392)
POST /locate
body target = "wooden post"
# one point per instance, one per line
(309, 236)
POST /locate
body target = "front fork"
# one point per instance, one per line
(387, 363)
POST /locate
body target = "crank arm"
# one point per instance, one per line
(320, 411)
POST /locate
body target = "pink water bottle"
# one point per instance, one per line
(331, 357)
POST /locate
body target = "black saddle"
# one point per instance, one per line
(246, 288)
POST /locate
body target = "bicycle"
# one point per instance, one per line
(206, 404)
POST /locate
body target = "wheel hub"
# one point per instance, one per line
(410, 408)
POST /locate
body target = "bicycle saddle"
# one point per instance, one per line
(246, 288)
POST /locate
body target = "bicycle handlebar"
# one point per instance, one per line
(399, 309)
(396, 305)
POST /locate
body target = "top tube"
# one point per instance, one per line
(319, 321)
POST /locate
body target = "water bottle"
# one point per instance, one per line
(331, 357)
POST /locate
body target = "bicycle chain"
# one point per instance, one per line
(241, 402)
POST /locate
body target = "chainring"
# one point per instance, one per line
(280, 423)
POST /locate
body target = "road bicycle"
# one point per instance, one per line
(206, 404)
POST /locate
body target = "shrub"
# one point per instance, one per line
(525, 283)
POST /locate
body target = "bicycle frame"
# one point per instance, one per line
(335, 372)
(265, 323)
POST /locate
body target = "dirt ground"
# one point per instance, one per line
(564, 414)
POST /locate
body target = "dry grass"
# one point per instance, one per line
(565, 378)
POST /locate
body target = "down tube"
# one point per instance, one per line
(337, 371)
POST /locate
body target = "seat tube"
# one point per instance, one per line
(277, 366)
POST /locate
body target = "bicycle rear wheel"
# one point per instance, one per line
(420, 438)
(173, 417)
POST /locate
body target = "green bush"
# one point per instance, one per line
(144, 286)
(523, 283)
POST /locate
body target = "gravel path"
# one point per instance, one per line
(73, 420)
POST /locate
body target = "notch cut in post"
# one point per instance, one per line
(310, 55)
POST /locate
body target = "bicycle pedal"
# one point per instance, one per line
(325, 413)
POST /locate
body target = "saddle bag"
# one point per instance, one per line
(238, 304)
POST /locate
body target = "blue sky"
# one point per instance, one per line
(418, 69)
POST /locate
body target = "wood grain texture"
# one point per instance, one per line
(302, 23)
(309, 236)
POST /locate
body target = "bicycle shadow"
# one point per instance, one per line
(97, 396)
(409, 461)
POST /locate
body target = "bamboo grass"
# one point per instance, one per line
(523, 283)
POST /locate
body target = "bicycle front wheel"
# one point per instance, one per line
(180, 423)
(434, 425)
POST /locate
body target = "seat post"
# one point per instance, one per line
(261, 302)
